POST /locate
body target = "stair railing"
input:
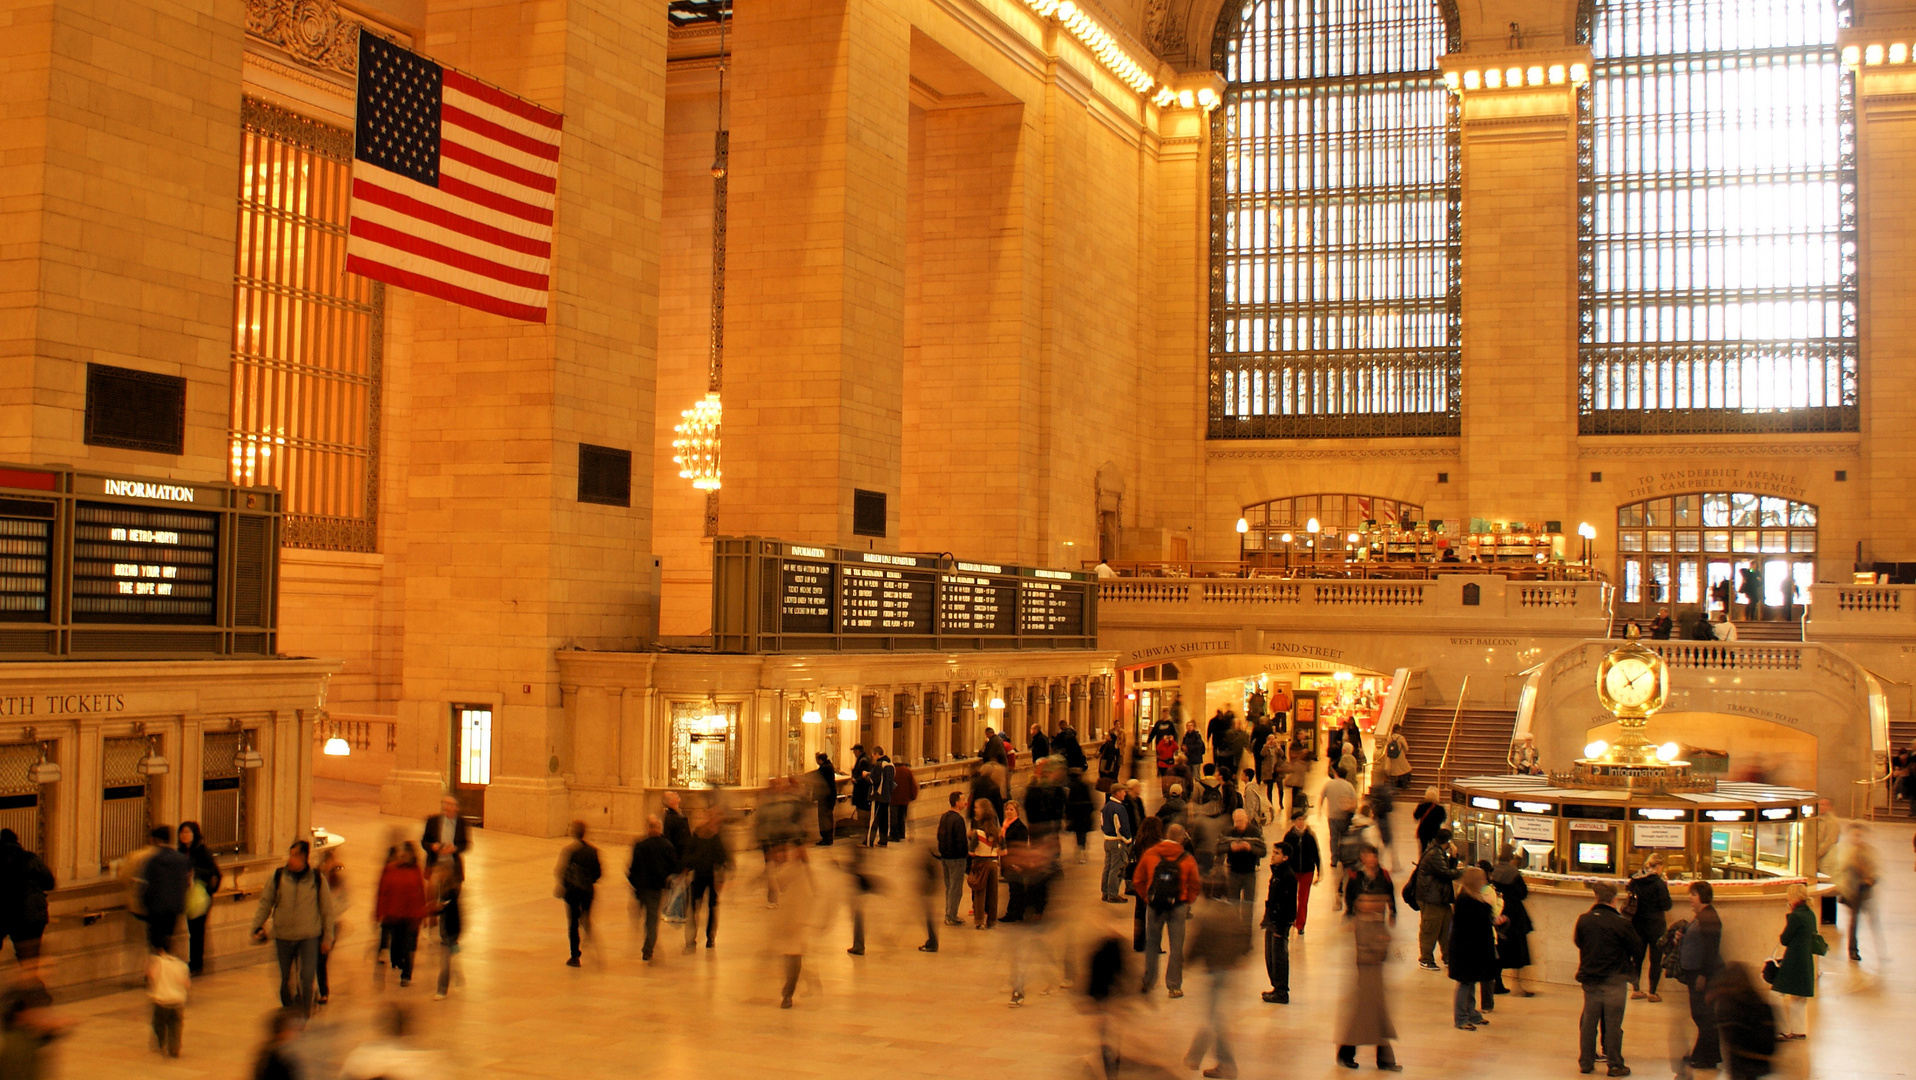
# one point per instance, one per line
(1443, 763)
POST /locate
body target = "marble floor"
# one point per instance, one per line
(895, 1012)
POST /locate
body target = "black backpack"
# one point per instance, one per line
(1673, 949)
(1166, 890)
(1410, 890)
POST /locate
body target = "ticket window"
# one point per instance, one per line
(472, 759)
(704, 744)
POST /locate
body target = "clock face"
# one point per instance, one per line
(1631, 682)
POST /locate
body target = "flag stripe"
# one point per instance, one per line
(384, 255)
(493, 148)
(453, 114)
(486, 163)
(463, 260)
(396, 211)
(517, 106)
(450, 95)
(460, 188)
(432, 286)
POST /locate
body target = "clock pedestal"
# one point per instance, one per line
(1632, 763)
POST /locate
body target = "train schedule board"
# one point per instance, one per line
(98, 566)
(769, 596)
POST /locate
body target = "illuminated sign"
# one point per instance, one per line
(1727, 815)
(1588, 826)
(140, 489)
(138, 564)
(1531, 807)
(809, 552)
(1482, 803)
(1651, 813)
(1777, 813)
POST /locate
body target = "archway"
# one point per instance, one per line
(1278, 531)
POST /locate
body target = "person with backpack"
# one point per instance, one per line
(578, 872)
(300, 906)
(1435, 879)
(1702, 957)
(1397, 760)
(1168, 880)
(1648, 907)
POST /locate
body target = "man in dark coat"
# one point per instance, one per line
(1193, 745)
(1065, 744)
(827, 797)
(1039, 742)
(884, 780)
(1700, 956)
(167, 874)
(1218, 734)
(654, 862)
(1280, 913)
(672, 821)
(994, 748)
(447, 833)
(1607, 952)
(954, 852)
(25, 882)
(579, 872)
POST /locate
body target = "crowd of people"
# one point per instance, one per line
(1231, 813)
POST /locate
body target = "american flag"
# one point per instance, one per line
(453, 185)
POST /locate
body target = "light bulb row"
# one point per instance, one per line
(1517, 77)
(1202, 98)
(1097, 39)
(1876, 54)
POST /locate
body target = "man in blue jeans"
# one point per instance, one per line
(1117, 828)
(298, 902)
(1167, 901)
(954, 852)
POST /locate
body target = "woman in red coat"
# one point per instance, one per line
(401, 905)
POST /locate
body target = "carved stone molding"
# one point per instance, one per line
(1769, 449)
(312, 31)
(1418, 453)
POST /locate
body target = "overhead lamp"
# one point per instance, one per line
(1243, 526)
(848, 715)
(1595, 749)
(997, 702)
(337, 747)
(811, 714)
(153, 763)
(1668, 751)
(1351, 539)
(696, 448)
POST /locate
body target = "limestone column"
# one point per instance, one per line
(815, 264)
(504, 564)
(1886, 182)
(1519, 447)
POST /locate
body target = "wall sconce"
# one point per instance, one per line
(811, 714)
(847, 715)
(248, 758)
(997, 702)
(42, 771)
(153, 764)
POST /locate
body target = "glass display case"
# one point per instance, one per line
(1738, 832)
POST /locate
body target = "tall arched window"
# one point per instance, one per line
(1718, 258)
(1334, 221)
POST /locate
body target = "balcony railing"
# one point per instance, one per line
(1861, 610)
(1492, 600)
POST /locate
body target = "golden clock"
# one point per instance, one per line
(1632, 680)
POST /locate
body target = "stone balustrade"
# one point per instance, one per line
(1479, 598)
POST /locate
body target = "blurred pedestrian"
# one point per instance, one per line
(1473, 949)
(1430, 816)
(653, 865)
(1280, 916)
(167, 978)
(199, 894)
(986, 842)
(1857, 871)
(25, 882)
(860, 888)
(1700, 958)
(301, 909)
(1080, 810)
(446, 894)
(27, 1025)
(167, 875)
(332, 870)
(275, 1060)
(1150, 834)
(678, 832)
(1800, 944)
(1607, 953)
(400, 905)
(1241, 851)
(1746, 1025)
(1013, 860)
(775, 823)
(1217, 941)
(932, 875)
(791, 925)
(709, 863)
(861, 793)
(394, 1056)
(1370, 905)
(578, 876)
(1168, 880)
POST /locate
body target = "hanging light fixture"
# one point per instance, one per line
(248, 758)
(153, 763)
(43, 771)
(696, 449)
(337, 746)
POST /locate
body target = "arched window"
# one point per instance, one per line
(1281, 525)
(1718, 232)
(1691, 552)
(1334, 221)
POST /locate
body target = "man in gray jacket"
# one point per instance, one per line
(301, 907)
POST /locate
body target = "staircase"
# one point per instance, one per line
(1479, 749)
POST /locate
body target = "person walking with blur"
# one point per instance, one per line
(1217, 942)
(1117, 829)
(1168, 880)
(167, 980)
(1607, 952)
(300, 907)
(1745, 1023)
(1150, 834)
(954, 854)
(1701, 957)
(709, 863)
(985, 842)
(1430, 816)
(1305, 859)
(654, 863)
(199, 893)
(1857, 872)
(1800, 944)
(1473, 949)
(400, 905)
(1280, 917)
(1240, 851)
(578, 876)
(1648, 908)
(276, 1060)
(1080, 810)
(792, 921)
(168, 875)
(1370, 906)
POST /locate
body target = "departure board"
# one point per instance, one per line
(132, 564)
(1049, 606)
(26, 560)
(769, 596)
(805, 593)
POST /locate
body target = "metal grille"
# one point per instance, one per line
(137, 410)
(252, 554)
(605, 475)
(1718, 219)
(16, 760)
(307, 335)
(123, 807)
(1335, 242)
(222, 792)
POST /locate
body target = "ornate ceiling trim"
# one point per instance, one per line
(1399, 453)
(1768, 449)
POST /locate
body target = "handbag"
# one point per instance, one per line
(976, 876)
(1770, 968)
(197, 899)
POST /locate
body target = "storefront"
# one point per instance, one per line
(1150, 693)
